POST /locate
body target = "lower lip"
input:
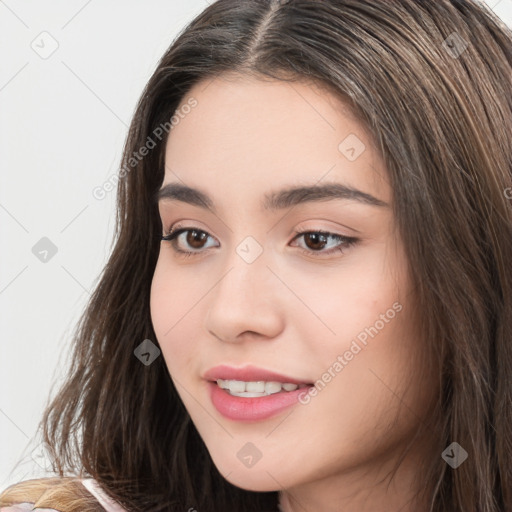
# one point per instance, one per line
(254, 408)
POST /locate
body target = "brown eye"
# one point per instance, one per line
(316, 241)
(195, 238)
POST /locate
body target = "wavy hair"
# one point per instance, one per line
(431, 81)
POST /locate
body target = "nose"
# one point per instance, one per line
(247, 302)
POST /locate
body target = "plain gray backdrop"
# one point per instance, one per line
(71, 74)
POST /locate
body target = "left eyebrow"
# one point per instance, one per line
(272, 201)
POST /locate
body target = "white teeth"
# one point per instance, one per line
(272, 387)
(254, 389)
(237, 386)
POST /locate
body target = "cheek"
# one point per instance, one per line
(369, 346)
(170, 306)
(160, 298)
(362, 299)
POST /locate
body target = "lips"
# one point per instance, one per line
(249, 373)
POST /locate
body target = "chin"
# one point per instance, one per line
(259, 478)
(259, 481)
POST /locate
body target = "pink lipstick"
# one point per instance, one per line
(262, 393)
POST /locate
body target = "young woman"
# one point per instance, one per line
(309, 303)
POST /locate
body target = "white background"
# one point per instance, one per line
(63, 121)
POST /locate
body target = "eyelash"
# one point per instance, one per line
(347, 241)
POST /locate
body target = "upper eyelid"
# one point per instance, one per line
(297, 233)
(193, 225)
(178, 227)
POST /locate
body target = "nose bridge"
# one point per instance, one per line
(246, 241)
(244, 299)
(250, 250)
(246, 268)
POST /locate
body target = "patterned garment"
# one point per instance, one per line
(90, 484)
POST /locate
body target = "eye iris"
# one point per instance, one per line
(193, 236)
(316, 237)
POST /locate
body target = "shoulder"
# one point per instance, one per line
(57, 494)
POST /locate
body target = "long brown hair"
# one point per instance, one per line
(432, 83)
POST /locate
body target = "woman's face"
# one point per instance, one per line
(312, 308)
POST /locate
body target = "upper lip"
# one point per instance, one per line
(249, 373)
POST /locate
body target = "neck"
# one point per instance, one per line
(371, 488)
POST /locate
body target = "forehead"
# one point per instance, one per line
(254, 133)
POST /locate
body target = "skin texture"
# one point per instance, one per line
(291, 312)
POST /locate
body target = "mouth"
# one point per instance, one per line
(251, 393)
(254, 406)
(253, 389)
(251, 381)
